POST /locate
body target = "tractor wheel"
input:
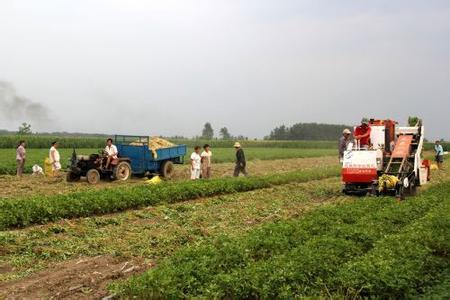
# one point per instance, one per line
(167, 169)
(72, 177)
(93, 176)
(122, 171)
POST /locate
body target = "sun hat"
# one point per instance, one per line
(346, 131)
(237, 145)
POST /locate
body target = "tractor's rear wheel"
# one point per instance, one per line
(122, 171)
(167, 169)
(72, 177)
(93, 176)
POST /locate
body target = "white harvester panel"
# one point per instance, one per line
(360, 159)
(377, 136)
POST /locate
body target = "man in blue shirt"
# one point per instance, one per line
(439, 154)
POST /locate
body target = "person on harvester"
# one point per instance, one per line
(362, 134)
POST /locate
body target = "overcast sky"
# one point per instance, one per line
(166, 67)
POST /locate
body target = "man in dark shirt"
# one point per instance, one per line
(240, 161)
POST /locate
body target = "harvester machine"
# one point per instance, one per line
(391, 165)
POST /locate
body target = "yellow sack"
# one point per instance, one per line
(434, 167)
(48, 167)
(389, 180)
(154, 180)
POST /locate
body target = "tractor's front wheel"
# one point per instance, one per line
(122, 171)
(93, 176)
(72, 177)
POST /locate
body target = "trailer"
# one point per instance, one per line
(392, 165)
(135, 157)
(144, 161)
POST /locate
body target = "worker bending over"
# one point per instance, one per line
(240, 161)
(362, 135)
(111, 152)
(344, 141)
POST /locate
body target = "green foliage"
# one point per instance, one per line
(208, 131)
(42, 209)
(225, 134)
(371, 247)
(307, 131)
(24, 129)
(413, 121)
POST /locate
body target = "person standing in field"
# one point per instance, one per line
(55, 158)
(240, 161)
(20, 158)
(206, 161)
(195, 163)
(344, 141)
(439, 154)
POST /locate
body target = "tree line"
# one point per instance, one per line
(307, 131)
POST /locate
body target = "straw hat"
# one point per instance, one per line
(237, 145)
(346, 131)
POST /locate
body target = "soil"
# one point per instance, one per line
(85, 278)
(29, 185)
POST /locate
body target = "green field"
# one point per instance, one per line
(37, 156)
(43, 141)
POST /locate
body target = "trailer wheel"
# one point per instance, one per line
(93, 176)
(167, 169)
(72, 177)
(122, 171)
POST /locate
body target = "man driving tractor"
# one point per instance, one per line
(111, 152)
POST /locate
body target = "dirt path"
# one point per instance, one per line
(85, 278)
(12, 187)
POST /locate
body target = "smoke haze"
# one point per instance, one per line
(16, 109)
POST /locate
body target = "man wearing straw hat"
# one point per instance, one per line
(240, 161)
(344, 141)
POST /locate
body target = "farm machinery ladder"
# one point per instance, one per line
(399, 164)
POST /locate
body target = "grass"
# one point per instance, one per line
(41, 209)
(37, 156)
(366, 248)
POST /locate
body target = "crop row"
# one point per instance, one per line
(42, 209)
(220, 155)
(338, 249)
(43, 141)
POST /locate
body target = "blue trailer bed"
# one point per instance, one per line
(144, 160)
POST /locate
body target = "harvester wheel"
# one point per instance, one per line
(72, 177)
(412, 189)
(122, 171)
(167, 169)
(93, 176)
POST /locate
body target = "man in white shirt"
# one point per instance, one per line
(55, 159)
(195, 163)
(111, 151)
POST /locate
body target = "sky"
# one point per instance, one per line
(165, 67)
